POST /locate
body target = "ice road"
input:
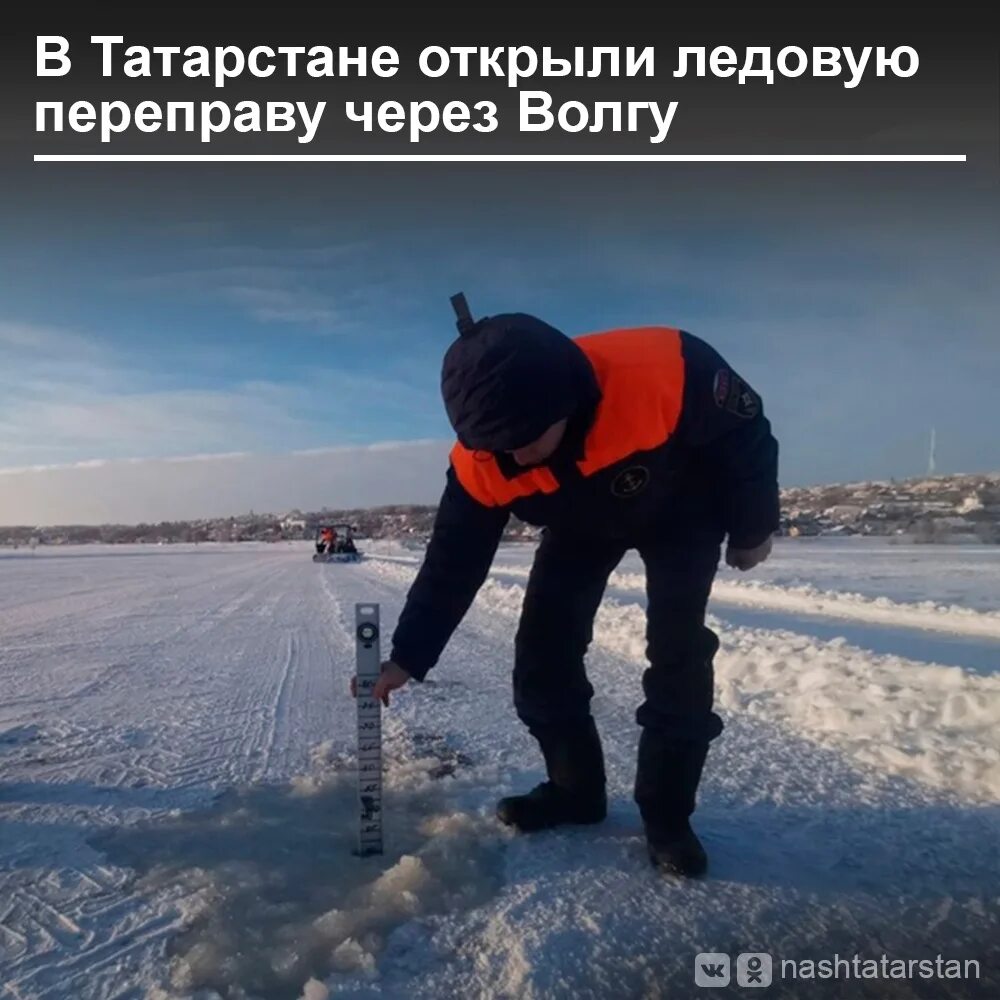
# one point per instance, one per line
(178, 797)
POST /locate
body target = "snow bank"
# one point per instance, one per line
(965, 575)
(936, 724)
(933, 723)
(810, 600)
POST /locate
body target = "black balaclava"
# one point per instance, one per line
(508, 378)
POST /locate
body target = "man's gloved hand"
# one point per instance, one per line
(393, 676)
(748, 558)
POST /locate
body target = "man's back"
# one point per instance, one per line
(662, 435)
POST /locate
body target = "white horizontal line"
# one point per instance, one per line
(500, 158)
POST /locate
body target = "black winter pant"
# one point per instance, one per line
(565, 588)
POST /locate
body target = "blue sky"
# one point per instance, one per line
(162, 317)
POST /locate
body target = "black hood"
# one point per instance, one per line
(510, 377)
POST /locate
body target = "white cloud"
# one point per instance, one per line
(136, 490)
(65, 397)
(268, 284)
(41, 340)
(73, 418)
(283, 305)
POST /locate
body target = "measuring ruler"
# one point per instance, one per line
(369, 666)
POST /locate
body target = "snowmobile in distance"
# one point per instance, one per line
(335, 543)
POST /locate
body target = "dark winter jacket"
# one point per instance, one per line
(662, 432)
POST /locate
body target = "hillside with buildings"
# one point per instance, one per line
(938, 509)
(953, 508)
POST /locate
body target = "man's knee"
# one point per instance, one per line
(680, 642)
(551, 687)
(703, 725)
(679, 687)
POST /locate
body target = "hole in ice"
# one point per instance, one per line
(275, 898)
(442, 759)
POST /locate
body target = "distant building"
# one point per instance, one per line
(293, 524)
(844, 511)
(971, 503)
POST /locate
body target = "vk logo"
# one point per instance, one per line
(711, 968)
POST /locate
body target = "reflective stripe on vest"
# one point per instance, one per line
(640, 373)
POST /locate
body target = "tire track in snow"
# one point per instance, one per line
(316, 638)
(244, 680)
(213, 685)
(279, 704)
(136, 649)
(79, 972)
(88, 603)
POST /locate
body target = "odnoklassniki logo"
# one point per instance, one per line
(633, 480)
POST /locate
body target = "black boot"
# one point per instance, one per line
(575, 791)
(667, 777)
(676, 851)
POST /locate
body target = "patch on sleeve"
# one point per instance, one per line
(733, 394)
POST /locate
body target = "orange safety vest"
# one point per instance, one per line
(640, 373)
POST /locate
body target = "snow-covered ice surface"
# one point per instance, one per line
(964, 575)
(178, 794)
(896, 585)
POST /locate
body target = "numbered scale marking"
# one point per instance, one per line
(369, 663)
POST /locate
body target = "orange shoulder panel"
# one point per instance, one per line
(479, 473)
(641, 375)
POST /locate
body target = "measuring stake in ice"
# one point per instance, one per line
(369, 659)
